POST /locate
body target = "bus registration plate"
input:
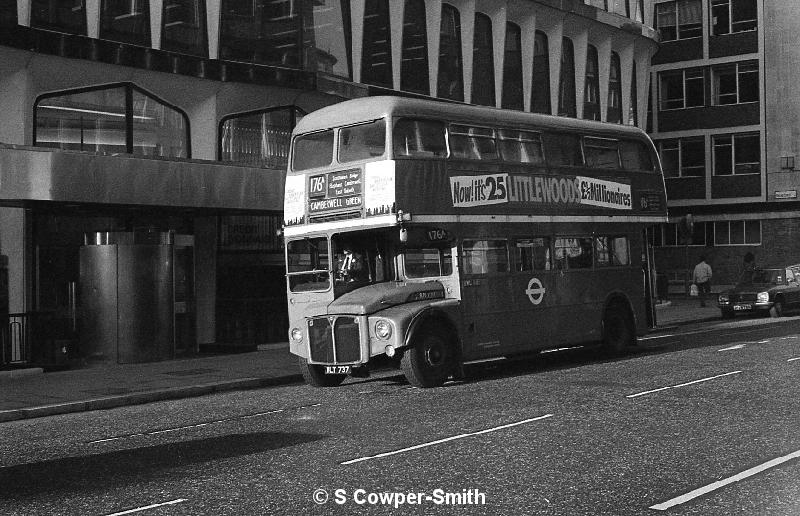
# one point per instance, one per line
(337, 369)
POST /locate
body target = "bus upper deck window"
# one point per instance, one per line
(562, 149)
(521, 146)
(601, 152)
(362, 141)
(635, 155)
(472, 142)
(313, 150)
(419, 138)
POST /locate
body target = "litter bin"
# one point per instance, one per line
(662, 286)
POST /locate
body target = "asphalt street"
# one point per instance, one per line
(698, 422)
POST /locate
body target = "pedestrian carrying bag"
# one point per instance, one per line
(693, 291)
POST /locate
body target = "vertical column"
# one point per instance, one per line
(205, 255)
(603, 72)
(625, 51)
(357, 22)
(93, 18)
(466, 9)
(528, 27)
(580, 41)
(156, 15)
(15, 103)
(203, 121)
(642, 57)
(499, 17)
(554, 37)
(24, 12)
(396, 14)
(213, 10)
(433, 17)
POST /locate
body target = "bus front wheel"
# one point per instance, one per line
(430, 362)
(315, 376)
(618, 329)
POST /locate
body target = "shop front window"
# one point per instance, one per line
(118, 119)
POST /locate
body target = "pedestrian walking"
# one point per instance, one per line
(702, 278)
(748, 266)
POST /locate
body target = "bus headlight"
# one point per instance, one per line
(297, 335)
(383, 329)
(762, 297)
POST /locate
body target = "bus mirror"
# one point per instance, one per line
(403, 235)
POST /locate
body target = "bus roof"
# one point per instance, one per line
(371, 108)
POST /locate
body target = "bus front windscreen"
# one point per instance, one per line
(308, 264)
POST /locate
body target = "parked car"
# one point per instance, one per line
(771, 292)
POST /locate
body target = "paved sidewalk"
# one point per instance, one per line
(31, 393)
(35, 395)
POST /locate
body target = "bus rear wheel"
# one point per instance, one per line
(315, 376)
(618, 329)
(430, 362)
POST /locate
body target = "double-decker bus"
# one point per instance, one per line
(443, 234)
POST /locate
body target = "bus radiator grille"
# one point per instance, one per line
(334, 340)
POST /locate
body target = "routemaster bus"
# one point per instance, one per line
(442, 234)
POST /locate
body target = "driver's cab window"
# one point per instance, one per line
(362, 260)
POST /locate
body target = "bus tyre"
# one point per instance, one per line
(430, 361)
(315, 376)
(618, 329)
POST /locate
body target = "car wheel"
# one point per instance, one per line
(315, 376)
(430, 361)
(777, 309)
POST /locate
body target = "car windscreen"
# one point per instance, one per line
(769, 276)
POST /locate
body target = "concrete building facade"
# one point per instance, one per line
(724, 116)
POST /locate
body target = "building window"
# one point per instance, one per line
(682, 89)
(683, 157)
(735, 83)
(450, 83)
(591, 91)
(376, 53)
(127, 21)
(258, 139)
(483, 62)
(414, 65)
(566, 87)
(614, 108)
(737, 154)
(737, 232)
(184, 27)
(512, 69)
(681, 19)
(326, 37)
(540, 87)
(65, 16)
(260, 31)
(670, 234)
(119, 118)
(730, 16)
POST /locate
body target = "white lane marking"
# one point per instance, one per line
(724, 482)
(696, 332)
(681, 385)
(791, 337)
(651, 337)
(738, 346)
(446, 439)
(147, 507)
(185, 427)
(793, 359)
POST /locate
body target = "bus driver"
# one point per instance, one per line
(350, 266)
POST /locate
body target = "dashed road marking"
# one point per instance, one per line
(681, 385)
(722, 483)
(446, 439)
(148, 507)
